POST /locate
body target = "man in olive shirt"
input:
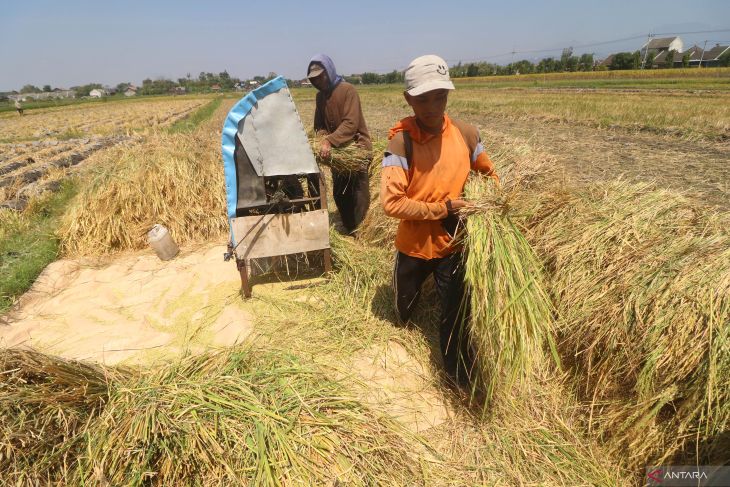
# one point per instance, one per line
(338, 115)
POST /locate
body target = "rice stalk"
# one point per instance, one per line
(641, 281)
(351, 157)
(45, 405)
(239, 416)
(510, 311)
(171, 179)
(511, 322)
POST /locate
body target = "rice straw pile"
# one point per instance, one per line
(176, 180)
(641, 281)
(46, 403)
(533, 439)
(244, 417)
(377, 229)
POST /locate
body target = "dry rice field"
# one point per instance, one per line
(44, 141)
(84, 120)
(614, 214)
(679, 139)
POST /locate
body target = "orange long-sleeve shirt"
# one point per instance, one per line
(416, 192)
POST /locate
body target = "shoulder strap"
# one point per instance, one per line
(468, 133)
(408, 144)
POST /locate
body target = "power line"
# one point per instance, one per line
(581, 46)
(690, 33)
(594, 44)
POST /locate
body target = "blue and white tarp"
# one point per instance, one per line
(267, 124)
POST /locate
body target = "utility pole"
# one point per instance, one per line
(646, 51)
(703, 53)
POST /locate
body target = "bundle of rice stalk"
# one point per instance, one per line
(45, 404)
(641, 281)
(511, 314)
(171, 179)
(242, 417)
(351, 157)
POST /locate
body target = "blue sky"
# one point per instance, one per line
(65, 43)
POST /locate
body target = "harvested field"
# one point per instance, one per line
(28, 167)
(24, 176)
(601, 308)
(677, 140)
(111, 118)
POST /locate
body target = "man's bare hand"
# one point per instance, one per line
(456, 204)
(325, 150)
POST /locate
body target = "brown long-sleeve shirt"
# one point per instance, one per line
(338, 112)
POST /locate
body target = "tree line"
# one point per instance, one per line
(566, 62)
(202, 84)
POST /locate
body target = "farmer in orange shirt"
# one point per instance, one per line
(426, 164)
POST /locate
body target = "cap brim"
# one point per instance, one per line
(315, 71)
(430, 86)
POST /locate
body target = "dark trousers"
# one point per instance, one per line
(448, 273)
(352, 196)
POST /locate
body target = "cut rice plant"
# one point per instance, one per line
(234, 417)
(511, 321)
(510, 311)
(529, 439)
(173, 179)
(352, 157)
(539, 439)
(46, 403)
(641, 281)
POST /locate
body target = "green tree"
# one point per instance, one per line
(669, 60)
(393, 77)
(571, 63)
(651, 55)
(370, 78)
(122, 87)
(84, 90)
(523, 67)
(623, 60)
(637, 60)
(724, 60)
(159, 86)
(565, 58)
(472, 70)
(225, 80)
(457, 71)
(685, 60)
(548, 65)
(585, 63)
(30, 89)
(47, 88)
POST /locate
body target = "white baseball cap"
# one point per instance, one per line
(427, 73)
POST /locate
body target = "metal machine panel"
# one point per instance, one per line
(265, 123)
(279, 234)
(274, 137)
